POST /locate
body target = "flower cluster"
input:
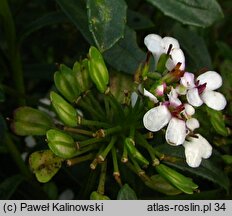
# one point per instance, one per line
(174, 99)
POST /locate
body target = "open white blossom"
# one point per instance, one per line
(158, 45)
(196, 149)
(201, 90)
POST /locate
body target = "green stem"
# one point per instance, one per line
(78, 131)
(107, 108)
(17, 157)
(13, 49)
(143, 142)
(86, 149)
(90, 141)
(116, 173)
(95, 162)
(95, 103)
(86, 122)
(101, 185)
(112, 130)
(103, 155)
(77, 160)
(124, 158)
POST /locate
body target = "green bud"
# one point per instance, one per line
(66, 112)
(162, 62)
(81, 74)
(217, 121)
(97, 196)
(45, 165)
(30, 121)
(66, 83)
(178, 180)
(97, 69)
(61, 144)
(134, 152)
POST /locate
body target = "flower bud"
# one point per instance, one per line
(134, 152)
(82, 75)
(97, 69)
(178, 180)
(97, 196)
(30, 121)
(61, 143)
(65, 111)
(66, 83)
(45, 165)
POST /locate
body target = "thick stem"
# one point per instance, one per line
(86, 122)
(77, 160)
(90, 141)
(116, 172)
(103, 155)
(101, 185)
(78, 131)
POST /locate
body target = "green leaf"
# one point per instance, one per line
(191, 12)
(126, 193)
(45, 165)
(217, 121)
(158, 183)
(107, 20)
(226, 73)
(9, 186)
(125, 55)
(76, 11)
(137, 21)
(194, 46)
(47, 19)
(209, 169)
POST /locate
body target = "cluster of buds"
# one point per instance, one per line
(174, 96)
(93, 123)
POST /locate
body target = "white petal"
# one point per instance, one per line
(192, 124)
(193, 97)
(177, 56)
(176, 132)
(156, 118)
(150, 95)
(206, 148)
(173, 98)
(188, 80)
(189, 110)
(170, 40)
(153, 43)
(134, 98)
(212, 78)
(192, 154)
(214, 100)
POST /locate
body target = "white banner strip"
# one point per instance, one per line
(115, 207)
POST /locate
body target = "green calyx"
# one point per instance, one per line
(97, 69)
(65, 111)
(61, 144)
(30, 121)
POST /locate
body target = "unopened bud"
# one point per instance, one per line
(61, 143)
(30, 121)
(66, 112)
(97, 69)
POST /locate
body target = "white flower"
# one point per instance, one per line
(134, 98)
(148, 94)
(158, 117)
(157, 46)
(196, 149)
(202, 91)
